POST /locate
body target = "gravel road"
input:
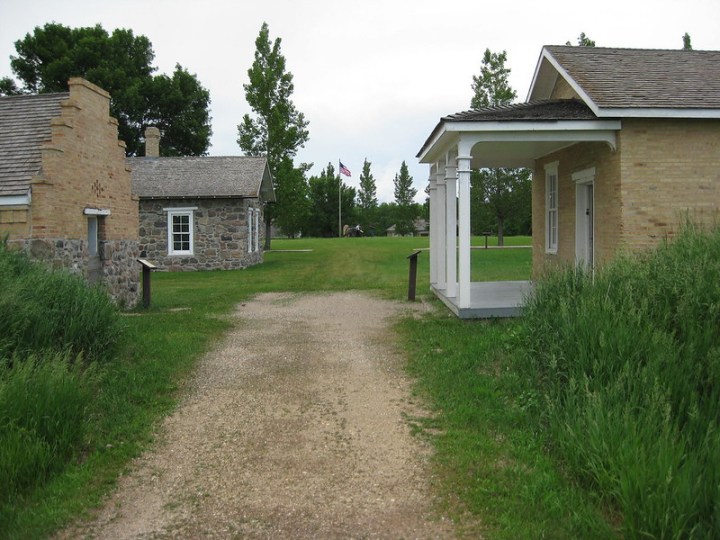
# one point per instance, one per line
(293, 427)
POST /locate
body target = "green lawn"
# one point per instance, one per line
(493, 472)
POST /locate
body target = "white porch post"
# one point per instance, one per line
(432, 193)
(464, 160)
(451, 223)
(440, 249)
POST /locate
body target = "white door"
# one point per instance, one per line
(585, 218)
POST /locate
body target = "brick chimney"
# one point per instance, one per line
(152, 142)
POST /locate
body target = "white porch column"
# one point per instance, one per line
(451, 223)
(432, 194)
(464, 160)
(441, 237)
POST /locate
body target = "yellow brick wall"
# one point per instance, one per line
(608, 224)
(670, 170)
(663, 172)
(83, 166)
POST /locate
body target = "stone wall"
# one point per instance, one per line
(220, 234)
(119, 269)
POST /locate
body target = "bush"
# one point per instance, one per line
(42, 310)
(628, 366)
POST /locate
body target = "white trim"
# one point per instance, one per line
(542, 127)
(181, 209)
(96, 212)
(179, 212)
(584, 184)
(93, 234)
(251, 234)
(551, 209)
(15, 200)
(650, 112)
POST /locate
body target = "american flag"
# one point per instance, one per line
(344, 170)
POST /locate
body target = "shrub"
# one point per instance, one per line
(43, 310)
(628, 365)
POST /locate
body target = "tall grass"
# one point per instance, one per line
(43, 405)
(42, 310)
(627, 367)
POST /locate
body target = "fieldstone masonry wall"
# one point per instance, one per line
(220, 234)
(120, 271)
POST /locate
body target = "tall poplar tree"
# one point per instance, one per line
(504, 192)
(278, 130)
(367, 196)
(405, 200)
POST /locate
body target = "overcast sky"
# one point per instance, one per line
(373, 77)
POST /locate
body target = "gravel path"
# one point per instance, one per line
(292, 428)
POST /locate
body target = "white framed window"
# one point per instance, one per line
(253, 217)
(92, 236)
(181, 231)
(251, 226)
(551, 207)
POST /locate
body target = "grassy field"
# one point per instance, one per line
(494, 474)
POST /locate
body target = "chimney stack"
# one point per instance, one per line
(152, 142)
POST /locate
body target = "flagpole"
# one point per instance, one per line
(339, 201)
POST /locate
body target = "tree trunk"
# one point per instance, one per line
(501, 233)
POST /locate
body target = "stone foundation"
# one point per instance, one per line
(118, 269)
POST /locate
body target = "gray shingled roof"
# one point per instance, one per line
(200, 177)
(559, 109)
(643, 78)
(24, 126)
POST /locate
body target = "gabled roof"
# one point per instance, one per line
(24, 127)
(634, 82)
(201, 177)
(550, 121)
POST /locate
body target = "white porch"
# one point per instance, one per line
(511, 136)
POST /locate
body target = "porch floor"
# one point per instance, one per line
(489, 299)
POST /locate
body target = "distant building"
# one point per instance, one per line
(421, 229)
(201, 213)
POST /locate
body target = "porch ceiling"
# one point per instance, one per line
(516, 135)
(513, 144)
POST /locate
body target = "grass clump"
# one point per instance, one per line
(626, 365)
(46, 310)
(43, 404)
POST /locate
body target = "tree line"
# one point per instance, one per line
(178, 104)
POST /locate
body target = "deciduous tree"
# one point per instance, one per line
(501, 191)
(324, 203)
(278, 130)
(120, 63)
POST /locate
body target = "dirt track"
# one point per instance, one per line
(292, 428)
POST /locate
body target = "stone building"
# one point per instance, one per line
(201, 213)
(624, 144)
(65, 190)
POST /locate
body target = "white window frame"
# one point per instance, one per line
(253, 217)
(93, 235)
(251, 232)
(552, 192)
(179, 212)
